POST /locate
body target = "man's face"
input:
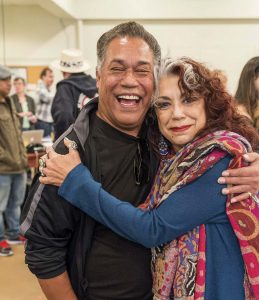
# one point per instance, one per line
(125, 83)
(48, 79)
(5, 87)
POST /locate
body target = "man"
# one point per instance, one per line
(44, 102)
(65, 245)
(73, 91)
(13, 162)
(71, 254)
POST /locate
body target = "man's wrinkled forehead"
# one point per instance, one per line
(122, 48)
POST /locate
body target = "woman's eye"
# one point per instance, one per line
(162, 105)
(189, 99)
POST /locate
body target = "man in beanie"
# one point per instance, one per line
(13, 162)
(73, 91)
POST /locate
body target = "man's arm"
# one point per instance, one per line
(48, 226)
(58, 288)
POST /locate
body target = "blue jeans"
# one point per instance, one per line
(47, 127)
(12, 192)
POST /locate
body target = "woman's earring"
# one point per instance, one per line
(163, 147)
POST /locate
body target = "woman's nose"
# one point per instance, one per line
(177, 111)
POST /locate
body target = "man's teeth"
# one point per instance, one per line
(129, 97)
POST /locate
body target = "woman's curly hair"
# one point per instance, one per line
(220, 108)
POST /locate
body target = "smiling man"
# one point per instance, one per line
(125, 84)
(73, 256)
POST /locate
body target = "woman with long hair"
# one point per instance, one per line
(247, 94)
(25, 105)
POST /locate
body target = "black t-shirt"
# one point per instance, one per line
(116, 268)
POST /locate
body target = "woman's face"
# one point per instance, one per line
(19, 86)
(180, 117)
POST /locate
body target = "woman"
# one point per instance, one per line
(247, 94)
(24, 104)
(197, 234)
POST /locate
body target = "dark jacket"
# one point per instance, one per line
(13, 157)
(70, 97)
(18, 106)
(58, 234)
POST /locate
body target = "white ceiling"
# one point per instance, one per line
(53, 6)
(20, 2)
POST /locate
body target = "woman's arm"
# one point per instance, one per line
(196, 203)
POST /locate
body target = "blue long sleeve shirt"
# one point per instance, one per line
(199, 202)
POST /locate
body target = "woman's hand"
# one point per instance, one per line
(58, 166)
(245, 180)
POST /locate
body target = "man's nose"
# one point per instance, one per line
(129, 79)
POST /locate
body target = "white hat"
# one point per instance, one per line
(71, 61)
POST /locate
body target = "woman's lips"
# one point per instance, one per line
(181, 129)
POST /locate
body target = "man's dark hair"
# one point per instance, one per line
(44, 72)
(130, 29)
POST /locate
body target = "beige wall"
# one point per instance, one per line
(225, 45)
(36, 37)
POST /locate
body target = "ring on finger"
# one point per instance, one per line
(42, 163)
(41, 171)
(254, 197)
(72, 145)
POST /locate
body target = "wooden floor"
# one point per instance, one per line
(16, 281)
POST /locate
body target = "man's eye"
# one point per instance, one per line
(162, 105)
(117, 69)
(142, 71)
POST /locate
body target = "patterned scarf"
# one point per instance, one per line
(179, 267)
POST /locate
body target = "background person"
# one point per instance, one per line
(44, 102)
(186, 217)
(247, 94)
(13, 162)
(76, 89)
(24, 104)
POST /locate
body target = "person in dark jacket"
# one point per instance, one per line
(76, 89)
(24, 104)
(73, 256)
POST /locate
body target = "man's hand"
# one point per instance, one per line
(244, 180)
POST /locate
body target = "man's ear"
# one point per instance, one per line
(98, 77)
